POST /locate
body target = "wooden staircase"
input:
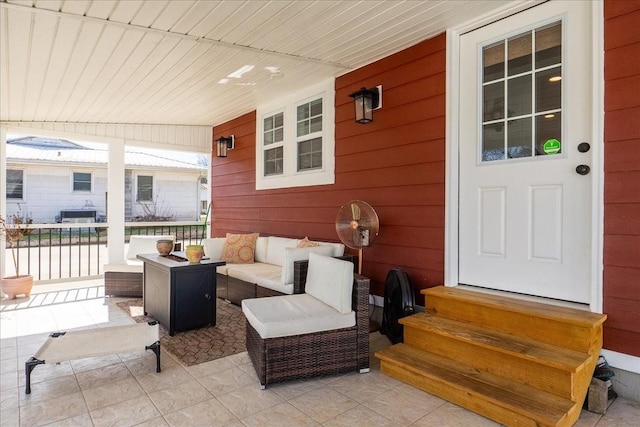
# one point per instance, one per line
(520, 363)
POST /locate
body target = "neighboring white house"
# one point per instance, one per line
(53, 180)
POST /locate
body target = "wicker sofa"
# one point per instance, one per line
(271, 273)
(125, 278)
(292, 336)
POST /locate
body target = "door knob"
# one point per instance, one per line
(582, 169)
(207, 296)
(583, 147)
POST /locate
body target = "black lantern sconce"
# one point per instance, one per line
(223, 144)
(365, 101)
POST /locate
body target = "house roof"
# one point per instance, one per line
(50, 150)
(197, 62)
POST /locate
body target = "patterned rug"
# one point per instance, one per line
(199, 345)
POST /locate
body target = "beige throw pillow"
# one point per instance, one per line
(239, 248)
(306, 243)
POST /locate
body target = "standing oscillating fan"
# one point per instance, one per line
(357, 226)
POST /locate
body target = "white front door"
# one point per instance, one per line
(525, 153)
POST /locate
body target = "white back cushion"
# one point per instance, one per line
(300, 254)
(276, 247)
(144, 245)
(260, 255)
(331, 281)
(338, 248)
(213, 247)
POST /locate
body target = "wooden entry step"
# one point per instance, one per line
(517, 362)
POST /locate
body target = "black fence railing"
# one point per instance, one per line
(67, 251)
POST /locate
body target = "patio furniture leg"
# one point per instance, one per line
(156, 349)
(28, 367)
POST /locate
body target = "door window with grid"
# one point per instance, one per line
(522, 95)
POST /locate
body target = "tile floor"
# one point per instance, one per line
(124, 390)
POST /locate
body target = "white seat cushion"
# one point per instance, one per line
(338, 248)
(213, 247)
(251, 272)
(127, 266)
(297, 314)
(331, 281)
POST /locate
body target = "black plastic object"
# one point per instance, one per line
(398, 303)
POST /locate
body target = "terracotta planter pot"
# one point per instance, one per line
(164, 247)
(194, 253)
(13, 286)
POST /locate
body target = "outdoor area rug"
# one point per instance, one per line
(199, 345)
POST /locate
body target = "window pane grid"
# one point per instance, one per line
(81, 181)
(310, 154)
(273, 129)
(273, 161)
(15, 184)
(309, 117)
(145, 188)
(515, 107)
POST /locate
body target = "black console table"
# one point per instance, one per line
(178, 294)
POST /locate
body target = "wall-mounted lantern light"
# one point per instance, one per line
(365, 101)
(223, 144)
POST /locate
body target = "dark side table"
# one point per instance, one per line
(178, 294)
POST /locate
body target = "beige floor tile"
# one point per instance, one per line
(9, 399)
(10, 417)
(360, 416)
(283, 414)
(249, 400)
(45, 372)
(49, 389)
(226, 381)
(156, 422)
(363, 387)
(291, 389)
(8, 365)
(102, 376)
(9, 351)
(82, 420)
(127, 413)
(403, 406)
(8, 381)
(208, 368)
(169, 377)
(179, 397)
(450, 415)
(209, 413)
(323, 403)
(52, 410)
(143, 363)
(621, 413)
(112, 393)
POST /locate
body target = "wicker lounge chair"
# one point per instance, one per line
(312, 354)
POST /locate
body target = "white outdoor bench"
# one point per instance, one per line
(71, 345)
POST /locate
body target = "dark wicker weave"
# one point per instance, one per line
(123, 284)
(320, 353)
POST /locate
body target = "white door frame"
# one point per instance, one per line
(453, 144)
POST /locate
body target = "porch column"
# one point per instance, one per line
(3, 191)
(115, 202)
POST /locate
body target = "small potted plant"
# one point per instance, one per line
(12, 233)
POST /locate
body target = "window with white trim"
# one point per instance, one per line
(15, 184)
(296, 145)
(144, 188)
(82, 182)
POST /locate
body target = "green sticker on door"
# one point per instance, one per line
(551, 146)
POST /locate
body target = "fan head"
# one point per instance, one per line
(357, 224)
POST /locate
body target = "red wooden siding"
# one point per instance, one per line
(622, 177)
(396, 164)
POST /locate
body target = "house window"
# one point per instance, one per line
(81, 181)
(309, 135)
(296, 144)
(144, 188)
(15, 184)
(272, 140)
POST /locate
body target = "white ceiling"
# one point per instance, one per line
(166, 61)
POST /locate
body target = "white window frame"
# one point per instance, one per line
(24, 186)
(153, 187)
(73, 172)
(288, 105)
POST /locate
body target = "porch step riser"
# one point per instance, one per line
(509, 319)
(538, 375)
